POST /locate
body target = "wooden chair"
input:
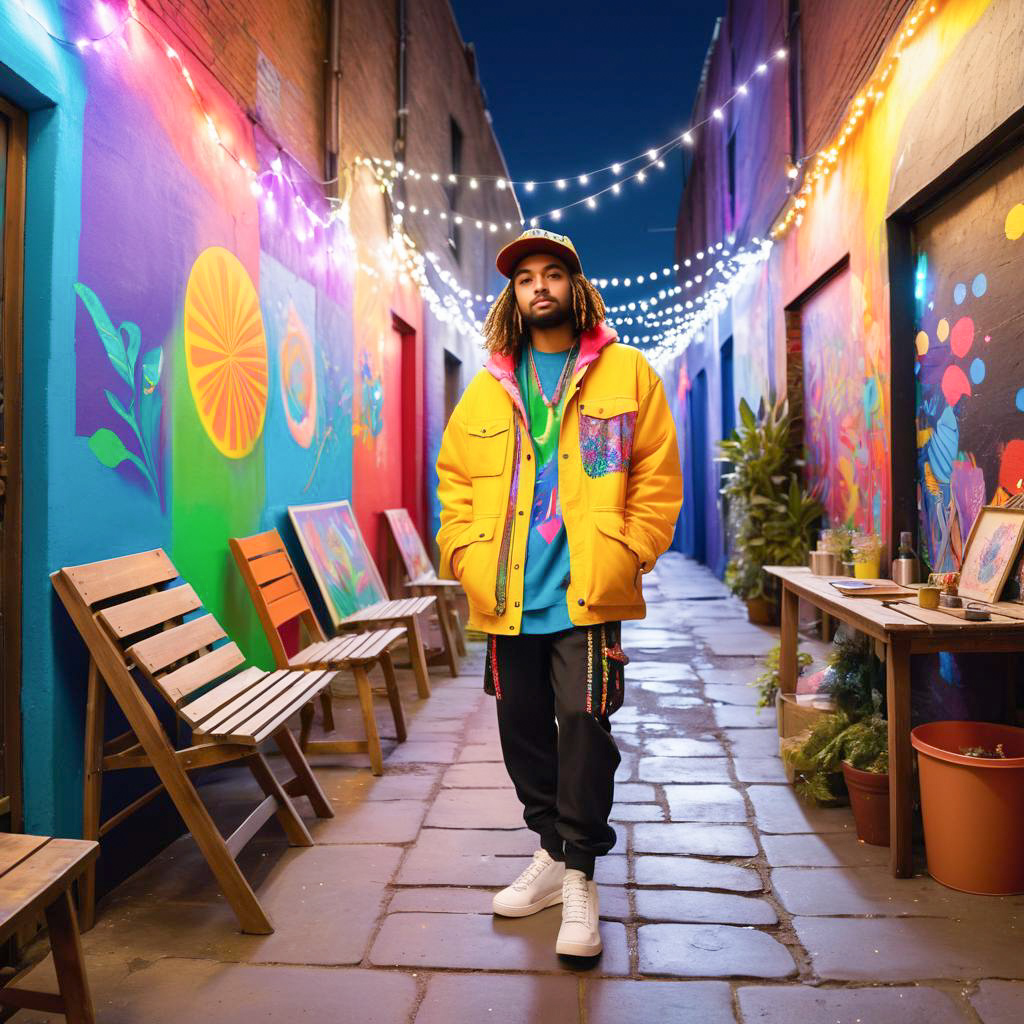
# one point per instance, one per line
(280, 600)
(36, 874)
(422, 578)
(133, 621)
(350, 584)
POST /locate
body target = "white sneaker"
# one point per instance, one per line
(579, 935)
(539, 886)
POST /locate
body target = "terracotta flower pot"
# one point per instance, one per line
(869, 798)
(762, 611)
(973, 807)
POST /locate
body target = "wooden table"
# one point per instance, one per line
(36, 874)
(901, 628)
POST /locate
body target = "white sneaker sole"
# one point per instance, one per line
(578, 948)
(551, 900)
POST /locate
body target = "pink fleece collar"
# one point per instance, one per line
(503, 367)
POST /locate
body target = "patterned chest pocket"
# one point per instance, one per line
(606, 435)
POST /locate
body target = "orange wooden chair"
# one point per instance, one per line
(136, 623)
(280, 600)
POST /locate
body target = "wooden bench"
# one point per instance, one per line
(350, 584)
(281, 602)
(36, 874)
(136, 623)
(422, 578)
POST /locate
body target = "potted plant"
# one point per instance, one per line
(851, 748)
(770, 516)
(767, 683)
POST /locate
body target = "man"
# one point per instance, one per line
(560, 486)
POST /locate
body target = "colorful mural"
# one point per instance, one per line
(226, 352)
(141, 414)
(970, 384)
(338, 557)
(845, 426)
(297, 368)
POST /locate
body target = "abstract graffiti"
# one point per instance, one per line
(226, 352)
(845, 428)
(337, 554)
(297, 366)
(371, 405)
(142, 413)
(970, 428)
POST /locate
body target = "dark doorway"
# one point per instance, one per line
(452, 384)
(12, 243)
(698, 430)
(728, 392)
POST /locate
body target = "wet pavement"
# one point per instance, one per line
(725, 898)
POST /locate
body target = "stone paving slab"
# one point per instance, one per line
(684, 769)
(706, 803)
(789, 1003)
(175, 989)
(834, 892)
(745, 717)
(637, 812)
(481, 942)
(695, 873)
(348, 785)
(760, 769)
(483, 775)
(740, 695)
(476, 808)
(712, 907)
(376, 821)
(498, 999)
(634, 792)
(904, 949)
(423, 751)
(670, 1002)
(680, 746)
(712, 951)
(695, 837)
(779, 809)
(999, 1002)
(752, 742)
(474, 752)
(834, 850)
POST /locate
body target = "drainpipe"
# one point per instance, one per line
(332, 94)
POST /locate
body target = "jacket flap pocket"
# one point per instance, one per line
(606, 408)
(479, 529)
(610, 522)
(491, 428)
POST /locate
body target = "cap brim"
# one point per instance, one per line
(515, 252)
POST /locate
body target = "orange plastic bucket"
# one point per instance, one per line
(973, 808)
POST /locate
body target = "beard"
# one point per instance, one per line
(553, 317)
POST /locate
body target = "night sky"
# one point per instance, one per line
(578, 85)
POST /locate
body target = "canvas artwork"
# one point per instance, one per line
(991, 550)
(337, 554)
(410, 545)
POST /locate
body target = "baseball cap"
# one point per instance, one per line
(535, 240)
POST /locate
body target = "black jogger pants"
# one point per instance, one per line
(555, 693)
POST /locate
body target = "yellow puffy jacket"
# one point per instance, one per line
(618, 480)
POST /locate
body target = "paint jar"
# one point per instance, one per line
(949, 601)
(928, 597)
(824, 563)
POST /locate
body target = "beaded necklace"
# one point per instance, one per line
(556, 398)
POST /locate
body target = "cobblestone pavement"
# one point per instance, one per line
(725, 899)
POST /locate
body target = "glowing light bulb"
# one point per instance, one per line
(652, 154)
(561, 183)
(473, 183)
(592, 203)
(82, 44)
(687, 138)
(762, 68)
(556, 214)
(616, 188)
(616, 168)
(717, 114)
(529, 186)
(780, 53)
(584, 179)
(275, 165)
(256, 189)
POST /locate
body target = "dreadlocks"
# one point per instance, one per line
(504, 330)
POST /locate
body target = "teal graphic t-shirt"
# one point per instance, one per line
(547, 549)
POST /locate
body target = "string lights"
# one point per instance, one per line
(653, 157)
(865, 102)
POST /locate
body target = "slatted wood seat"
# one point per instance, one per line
(142, 624)
(36, 874)
(281, 602)
(422, 578)
(369, 605)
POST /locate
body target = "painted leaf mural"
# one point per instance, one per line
(226, 352)
(141, 415)
(298, 380)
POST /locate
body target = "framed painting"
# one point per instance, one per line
(341, 562)
(991, 550)
(409, 543)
